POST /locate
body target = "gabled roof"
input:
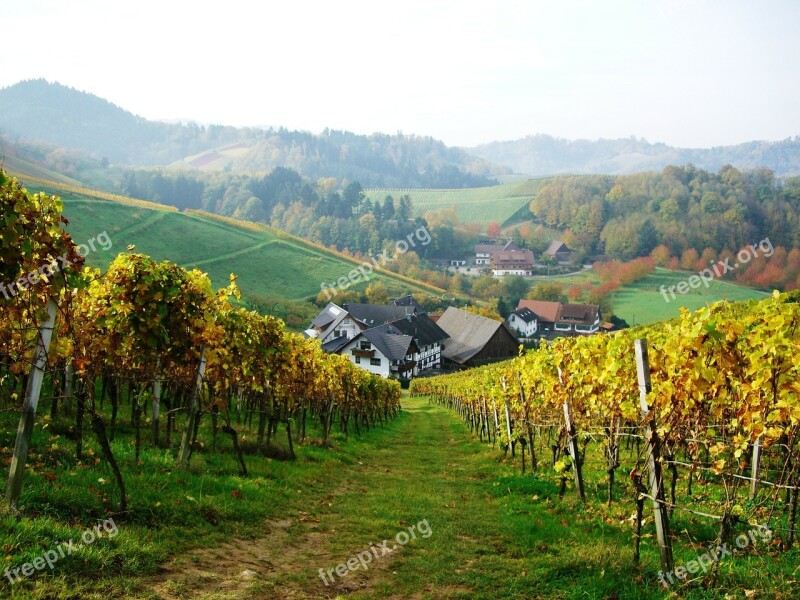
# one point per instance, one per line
(326, 321)
(545, 310)
(333, 345)
(408, 300)
(388, 341)
(372, 315)
(555, 247)
(525, 314)
(580, 314)
(468, 332)
(513, 258)
(556, 312)
(422, 328)
(492, 248)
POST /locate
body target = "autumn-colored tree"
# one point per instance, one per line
(689, 259)
(377, 293)
(493, 230)
(553, 292)
(660, 255)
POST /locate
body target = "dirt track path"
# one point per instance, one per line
(416, 471)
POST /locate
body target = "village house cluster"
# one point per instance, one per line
(401, 340)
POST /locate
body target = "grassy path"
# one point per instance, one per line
(423, 472)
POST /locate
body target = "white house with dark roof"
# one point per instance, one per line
(557, 318)
(383, 351)
(402, 339)
(524, 321)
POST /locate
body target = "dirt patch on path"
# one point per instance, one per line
(282, 565)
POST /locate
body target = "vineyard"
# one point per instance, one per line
(474, 205)
(697, 418)
(156, 340)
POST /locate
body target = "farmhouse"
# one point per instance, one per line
(524, 321)
(475, 340)
(403, 341)
(381, 350)
(559, 319)
(484, 252)
(512, 262)
(558, 251)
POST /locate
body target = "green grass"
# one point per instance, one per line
(472, 205)
(642, 302)
(273, 271)
(494, 534)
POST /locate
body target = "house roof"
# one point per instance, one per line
(372, 315)
(422, 328)
(545, 310)
(555, 247)
(388, 341)
(525, 314)
(513, 258)
(333, 345)
(326, 321)
(556, 312)
(408, 300)
(468, 332)
(580, 314)
(492, 248)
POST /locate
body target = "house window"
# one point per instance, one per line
(375, 362)
(358, 360)
(366, 345)
(563, 327)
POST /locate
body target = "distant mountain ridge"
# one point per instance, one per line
(541, 154)
(39, 111)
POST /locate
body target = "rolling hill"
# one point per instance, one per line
(277, 273)
(39, 111)
(538, 155)
(474, 205)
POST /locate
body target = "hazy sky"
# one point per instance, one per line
(689, 72)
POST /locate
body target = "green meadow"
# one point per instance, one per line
(276, 273)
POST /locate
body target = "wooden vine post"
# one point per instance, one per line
(155, 406)
(754, 468)
(508, 419)
(194, 406)
(29, 405)
(572, 446)
(653, 459)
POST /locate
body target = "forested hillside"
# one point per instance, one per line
(547, 155)
(54, 114)
(679, 207)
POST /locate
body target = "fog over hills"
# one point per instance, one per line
(36, 110)
(547, 155)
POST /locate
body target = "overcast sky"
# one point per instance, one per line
(692, 73)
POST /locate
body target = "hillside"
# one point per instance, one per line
(475, 205)
(55, 114)
(547, 155)
(277, 273)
